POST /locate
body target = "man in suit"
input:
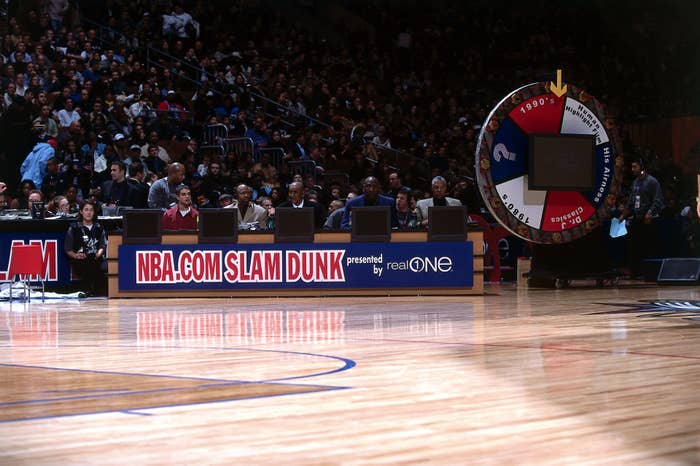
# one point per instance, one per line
(118, 191)
(369, 198)
(250, 215)
(137, 181)
(439, 190)
(296, 200)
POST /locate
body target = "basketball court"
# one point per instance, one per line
(525, 376)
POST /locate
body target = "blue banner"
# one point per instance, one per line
(284, 266)
(56, 263)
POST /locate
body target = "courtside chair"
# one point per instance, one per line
(26, 262)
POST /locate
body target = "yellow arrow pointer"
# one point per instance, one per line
(557, 89)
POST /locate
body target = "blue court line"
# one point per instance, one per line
(86, 391)
(141, 392)
(136, 413)
(324, 389)
(92, 371)
(347, 363)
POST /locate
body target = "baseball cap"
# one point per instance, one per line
(118, 137)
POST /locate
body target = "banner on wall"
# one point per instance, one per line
(285, 266)
(56, 263)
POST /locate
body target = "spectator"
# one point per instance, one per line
(85, 245)
(162, 194)
(67, 115)
(297, 201)
(439, 190)
(117, 192)
(405, 215)
(58, 207)
(181, 216)
(34, 166)
(5, 200)
(369, 198)
(250, 215)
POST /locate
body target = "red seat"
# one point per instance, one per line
(26, 261)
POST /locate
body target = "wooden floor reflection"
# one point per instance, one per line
(517, 376)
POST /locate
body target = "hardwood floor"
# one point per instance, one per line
(518, 376)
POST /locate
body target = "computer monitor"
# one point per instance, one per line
(563, 162)
(142, 226)
(218, 226)
(371, 224)
(294, 225)
(447, 223)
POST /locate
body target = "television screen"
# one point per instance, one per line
(371, 224)
(294, 225)
(218, 226)
(447, 223)
(142, 226)
(564, 162)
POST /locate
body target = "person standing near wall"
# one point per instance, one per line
(643, 208)
(85, 245)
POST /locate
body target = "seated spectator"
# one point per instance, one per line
(49, 184)
(258, 133)
(118, 191)
(58, 207)
(370, 197)
(336, 215)
(395, 184)
(162, 154)
(5, 199)
(439, 189)
(181, 216)
(225, 200)
(44, 125)
(250, 215)
(297, 201)
(266, 203)
(163, 192)
(67, 115)
(405, 215)
(22, 199)
(35, 196)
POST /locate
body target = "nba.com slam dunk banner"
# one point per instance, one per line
(274, 266)
(55, 262)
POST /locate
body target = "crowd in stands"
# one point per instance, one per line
(396, 92)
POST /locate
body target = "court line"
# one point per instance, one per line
(347, 363)
(138, 374)
(503, 345)
(323, 389)
(136, 413)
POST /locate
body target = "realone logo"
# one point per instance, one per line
(423, 264)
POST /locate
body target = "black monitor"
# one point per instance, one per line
(294, 225)
(218, 226)
(564, 162)
(447, 223)
(142, 226)
(371, 224)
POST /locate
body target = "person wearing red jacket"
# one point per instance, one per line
(181, 216)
